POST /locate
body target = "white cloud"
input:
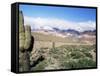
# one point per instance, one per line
(49, 23)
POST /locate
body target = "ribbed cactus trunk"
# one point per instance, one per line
(53, 45)
(24, 44)
(21, 32)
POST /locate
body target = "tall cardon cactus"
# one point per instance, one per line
(24, 44)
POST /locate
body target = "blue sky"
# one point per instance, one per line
(67, 13)
(48, 17)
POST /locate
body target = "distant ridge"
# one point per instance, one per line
(72, 32)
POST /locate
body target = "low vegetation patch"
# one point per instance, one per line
(67, 57)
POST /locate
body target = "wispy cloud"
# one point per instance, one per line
(49, 23)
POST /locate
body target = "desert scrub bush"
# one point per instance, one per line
(71, 47)
(78, 63)
(67, 47)
(77, 54)
(54, 50)
(69, 64)
(87, 54)
(87, 48)
(94, 46)
(86, 62)
(58, 53)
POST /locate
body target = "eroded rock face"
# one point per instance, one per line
(36, 57)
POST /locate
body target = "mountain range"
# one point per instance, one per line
(72, 32)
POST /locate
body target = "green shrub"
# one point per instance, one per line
(77, 54)
(78, 63)
(88, 55)
(86, 62)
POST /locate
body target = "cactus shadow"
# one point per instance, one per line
(32, 44)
